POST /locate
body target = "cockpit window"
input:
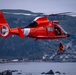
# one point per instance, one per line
(33, 24)
(62, 29)
(57, 30)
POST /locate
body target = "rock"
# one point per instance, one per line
(58, 72)
(0, 73)
(18, 73)
(6, 72)
(43, 73)
(14, 70)
(50, 72)
(63, 73)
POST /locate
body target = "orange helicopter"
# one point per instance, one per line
(40, 28)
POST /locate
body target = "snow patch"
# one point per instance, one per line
(18, 13)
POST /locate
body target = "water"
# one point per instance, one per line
(36, 68)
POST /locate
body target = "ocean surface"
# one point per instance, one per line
(36, 68)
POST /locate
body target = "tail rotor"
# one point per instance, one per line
(4, 31)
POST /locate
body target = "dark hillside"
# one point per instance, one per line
(14, 47)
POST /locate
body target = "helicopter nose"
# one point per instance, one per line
(68, 35)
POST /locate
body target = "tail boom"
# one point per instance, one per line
(5, 30)
(17, 31)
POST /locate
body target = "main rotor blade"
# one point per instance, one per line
(57, 14)
(65, 13)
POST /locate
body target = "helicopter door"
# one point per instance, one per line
(50, 31)
(41, 31)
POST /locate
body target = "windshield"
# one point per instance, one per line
(33, 24)
(62, 29)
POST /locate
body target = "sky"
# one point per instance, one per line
(44, 6)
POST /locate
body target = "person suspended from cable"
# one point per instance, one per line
(60, 48)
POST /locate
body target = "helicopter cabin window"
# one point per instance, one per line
(50, 29)
(32, 24)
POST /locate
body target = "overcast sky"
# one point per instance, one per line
(45, 6)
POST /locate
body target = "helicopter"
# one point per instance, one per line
(40, 28)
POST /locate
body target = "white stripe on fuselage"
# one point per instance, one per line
(26, 31)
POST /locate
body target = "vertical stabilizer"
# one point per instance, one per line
(4, 27)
